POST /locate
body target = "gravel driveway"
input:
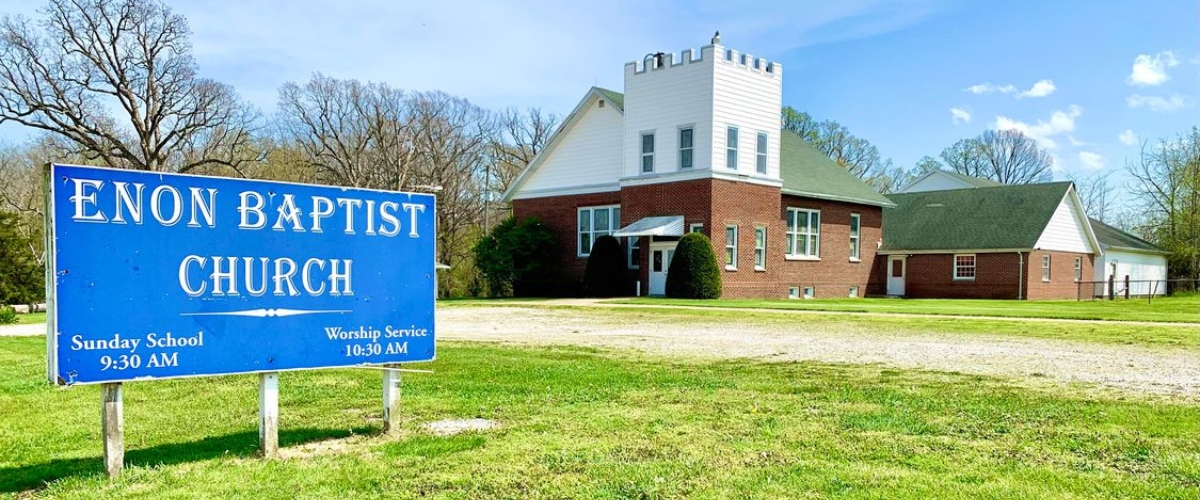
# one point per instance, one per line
(1169, 372)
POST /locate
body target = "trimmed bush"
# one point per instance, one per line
(516, 252)
(694, 273)
(605, 273)
(8, 315)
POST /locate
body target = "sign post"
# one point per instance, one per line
(153, 276)
(112, 424)
(391, 401)
(268, 414)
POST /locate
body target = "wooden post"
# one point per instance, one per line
(268, 414)
(1112, 289)
(1126, 287)
(391, 401)
(112, 423)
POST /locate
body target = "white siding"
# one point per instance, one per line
(748, 98)
(936, 182)
(1138, 266)
(1066, 231)
(588, 153)
(664, 99)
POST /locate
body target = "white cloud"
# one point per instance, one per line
(1156, 103)
(1042, 88)
(1128, 138)
(1060, 122)
(1091, 160)
(1151, 70)
(959, 115)
(1076, 142)
(989, 88)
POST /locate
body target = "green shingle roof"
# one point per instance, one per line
(971, 219)
(972, 181)
(1111, 237)
(806, 171)
(616, 98)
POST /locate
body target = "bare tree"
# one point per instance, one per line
(350, 133)
(451, 138)
(117, 79)
(801, 123)
(1096, 194)
(520, 136)
(1167, 188)
(1005, 156)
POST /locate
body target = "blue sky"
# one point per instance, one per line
(910, 76)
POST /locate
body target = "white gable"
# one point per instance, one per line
(1068, 230)
(585, 156)
(936, 181)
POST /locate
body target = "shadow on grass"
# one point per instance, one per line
(242, 444)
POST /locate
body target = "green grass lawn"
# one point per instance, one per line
(580, 423)
(1181, 309)
(26, 319)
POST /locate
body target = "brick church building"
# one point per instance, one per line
(694, 143)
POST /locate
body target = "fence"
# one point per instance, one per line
(1126, 288)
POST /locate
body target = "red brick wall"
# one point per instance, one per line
(560, 213)
(1062, 283)
(996, 276)
(716, 203)
(747, 206)
(834, 274)
(932, 276)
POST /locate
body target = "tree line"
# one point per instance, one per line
(114, 82)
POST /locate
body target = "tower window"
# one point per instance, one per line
(685, 147)
(648, 152)
(731, 148)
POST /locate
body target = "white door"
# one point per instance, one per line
(895, 275)
(660, 263)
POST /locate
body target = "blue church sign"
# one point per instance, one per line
(158, 275)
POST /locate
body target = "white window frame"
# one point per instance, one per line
(731, 147)
(631, 243)
(760, 154)
(1078, 269)
(793, 292)
(760, 248)
(810, 292)
(614, 223)
(795, 233)
(959, 275)
(731, 248)
(690, 149)
(853, 294)
(1045, 269)
(696, 227)
(855, 237)
(647, 155)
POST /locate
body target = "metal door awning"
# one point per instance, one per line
(669, 225)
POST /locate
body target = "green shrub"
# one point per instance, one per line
(694, 273)
(515, 252)
(8, 315)
(605, 273)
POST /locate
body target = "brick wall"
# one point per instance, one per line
(932, 276)
(996, 276)
(1062, 283)
(716, 203)
(834, 274)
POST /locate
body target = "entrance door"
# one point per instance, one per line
(660, 262)
(895, 283)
